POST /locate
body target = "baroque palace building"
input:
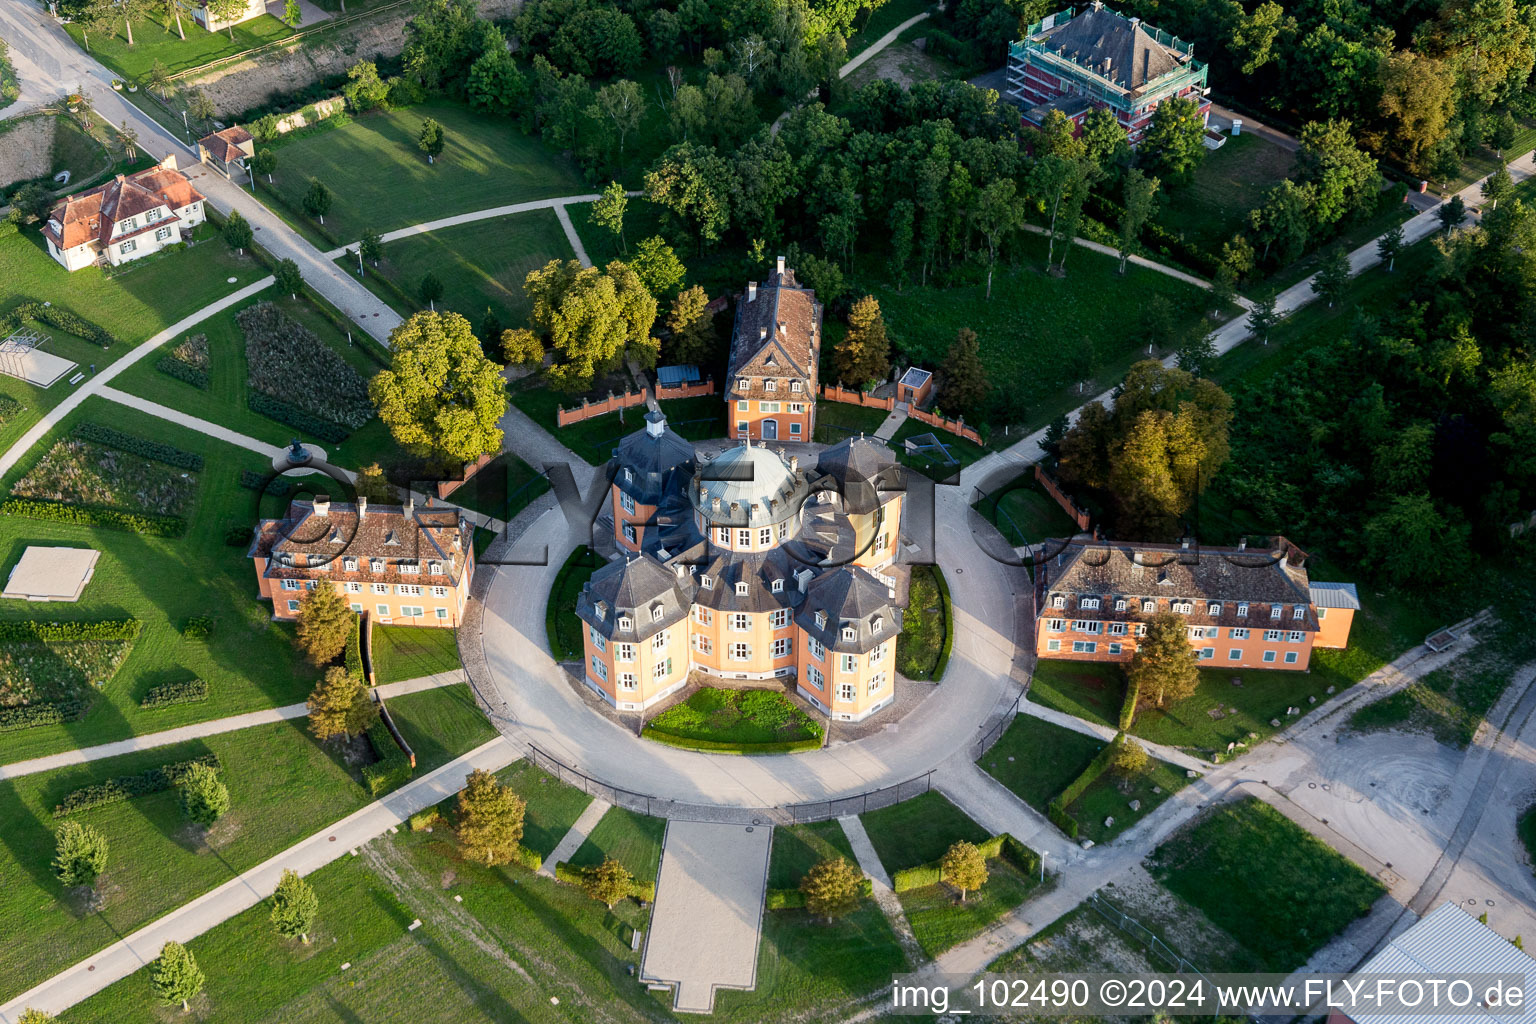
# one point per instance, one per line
(748, 566)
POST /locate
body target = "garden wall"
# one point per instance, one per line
(699, 390)
(629, 399)
(1077, 515)
(838, 393)
(447, 487)
(955, 426)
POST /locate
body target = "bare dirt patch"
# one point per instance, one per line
(26, 148)
(902, 63)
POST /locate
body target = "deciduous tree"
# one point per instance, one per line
(1262, 318)
(1418, 99)
(294, 906)
(371, 248)
(999, 212)
(591, 318)
(340, 705)
(1414, 538)
(692, 338)
(1175, 141)
(431, 140)
(1140, 204)
(658, 267)
(317, 200)
(430, 290)
(237, 232)
(1343, 177)
(175, 976)
(1131, 759)
(607, 883)
(864, 354)
(490, 820)
(265, 162)
(1332, 278)
(365, 90)
(1164, 670)
(373, 484)
(80, 854)
(1104, 138)
(521, 347)
(204, 797)
(292, 13)
(621, 107)
(441, 397)
(325, 622)
(229, 11)
(831, 888)
(287, 277)
(608, 212)
(694, 185)
(964, 867)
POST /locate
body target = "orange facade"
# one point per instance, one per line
(773, 420)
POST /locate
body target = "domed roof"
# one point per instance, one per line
(749, 484)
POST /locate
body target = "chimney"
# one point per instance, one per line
(751, 291)
(409, 508)
(362, 508)
(794, 463)
(762, 334)
(322, 504)
(780, 266)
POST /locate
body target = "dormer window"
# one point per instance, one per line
(821, 620)
(629, 476)
(743, 384)
(376, 565)
(349, 564)
(794, 386)
(850, 634)
(876, 626)
(435, 568)
(602, 611)
(778, 586)
(707, 582)
(1242, 609)
(656, 613)
(770, 385)
(410, 568)
(1120, 604)
(1088, 602)
(1059, 601)
(1275, 611)
(1301, 612)
(1148, 607)
(625, 622)
(741, 589)
(1213, 608)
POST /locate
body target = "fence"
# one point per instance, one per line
(288, 40)
(1141, 933)
(838, 393)
(613, 403)
(822, 810)
(667, 393)
(447, 487)
(955, 426)
(1077, 515)
(985, 740)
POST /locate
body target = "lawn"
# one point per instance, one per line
(838, 421)
(634, 840)
(440, 724)
(552, 807)
(940, 920)
(152, 42)
(564, 629)
(1036, 759)
(1229, 182)
(481, 265)
(1024, 514)
(502, 489)
(918, 831)
(133, 303)
(930, 462)
(798, 848)
(248, 660)
(410, 652)
(925, 626)
(1111, 795)
(871, 25)
(594, 439)
(381, 179)
(1262, 877)
(736, 721)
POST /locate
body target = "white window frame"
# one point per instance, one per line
(1292, 657)
(740, 651)
(703, 644)
(1085, 646)
(778, 618)
(623, 652)
(781, 648)
(848, 663)
(739, 622)
(598, 640)
(1053, 645)
(659, 641)
(599, 668)
(1269, 657)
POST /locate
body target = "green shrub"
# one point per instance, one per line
(125, 787)
(354, 649)
(36, 631)
(1061, 819)
(293, 416)
(423, 820)
(729, 747)
(87, 515)
(917, 877)
(1128, 706)
(392, 769)
(188, 691)
(254, 481)
(185, 372)
(198, 627)
(949, 631)
(645, 892)
(9, 407)
(281, 351)
(28, 716)
(56, 316)
(794, 899)
(1001, 845)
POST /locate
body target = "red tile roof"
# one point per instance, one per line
(305, 539)
(227, 145)
(778, 335)
(89, 216)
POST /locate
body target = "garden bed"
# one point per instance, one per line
(289, 363)
(78, 472)
(736, 722)
(927, 632)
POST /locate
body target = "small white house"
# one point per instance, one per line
(129, 217)
(204, 17)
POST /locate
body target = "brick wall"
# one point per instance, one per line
(706, 387)
(613, 403)
(955, 426)
(447, 487)
(836, 393)
(1077, 515)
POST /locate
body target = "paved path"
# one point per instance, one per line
(880, 885)
(709, 904)
(98, 383)
(571, 235)
(213, 727)
(893, 422)
(1140, 261)
(878, 45)
(1222, 118)
(43, 73)
(572, 840)
(250, 887)
(1161, 751)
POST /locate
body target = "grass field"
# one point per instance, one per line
(1037, 760)
(481, 265)
(409, 652)
(563, 627)
(925, 625)
(798, 848)
(595, 439)
(933, 464)
(838, 421)
(152, 41)
(940, 920)
(1229, 182)
(634, 840)
(552, 807)
(742, 718)
(1024, 514)
(381, 180)
(919, 830)
(440, 724)
(870, 26)
(1263, 878)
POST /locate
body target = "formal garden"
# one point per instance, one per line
(725, 721)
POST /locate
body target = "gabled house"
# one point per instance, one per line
(129, 217)
(775, 348)
(228, 152)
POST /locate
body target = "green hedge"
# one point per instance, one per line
(949, 625)
(157, 450)
(34, 631)
(293, 416)
(254, 481)
(392, 769)
(89, 515)
(182, 371)
(198, 627)
(188, 691)
(29, 716)
(9, 407)
(1001, 845)
(354, 649)
(794, 899)
(718, 747)
(1056, 810)
(125, 787)
(645, 892)
(1128, 706)
(1062, 820)
(54, 316)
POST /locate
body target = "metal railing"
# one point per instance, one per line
(985, 741)
(1142, 934)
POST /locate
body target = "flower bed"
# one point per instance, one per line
(287, 362)
(187, 691)
(736, 722)
(187, 362)
(50, 670)
(87, 473)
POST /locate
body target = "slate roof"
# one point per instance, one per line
(228, 145)
(864, 471)
(758, 570)
(1334, 595)
(1098, 34)
(850, 596)
(657, 461)
(748, 485)
(397, 535)
(777, 335)
(89, 216)
(634, 587)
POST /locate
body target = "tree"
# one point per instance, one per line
(199, 106)
(265, 162)
(490, 820)
(1343, 176)
(294, 906)
(1062, 185)
(1197, 354)
(1164, 670)
(1413, 539)
(1451, 213)
(340, 705)
(237, 232)
(694, 184)
(1223, 287)
(831, 888)
(325, 623)
(691, 326)
(1104, 138)
(317, 200)
(608, 212)
(441, 397)
(1332, 278)
(1390, 245)
(430, 140)
(1498, 185)
(175, 976)
(591, 319)
(1254, 34)
(80, 854)
(657, 266)
(864, 354)
(597, 41)
(1503, 133)
(365, 90)
(371, 248)
(292, 14)
(607, 883)
(622, 106)
(1418, 100)
(1140, 203)
(90, 16)
(229, 11)
(204, 798)
(1285, 220)
(999, 212)
(521, 347)
(900, 222)
(496, 84)
(430, 290)
(287, 277)
(963, 867)
(130, 140)
(1131, 759)
(1055, 432)
(1175, 141)
(1262, 318)
(964, 385)
(159, 74)
(373, 484)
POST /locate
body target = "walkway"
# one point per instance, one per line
(1221, 118)
(893, 422)
(572, 840)
(878, 45)
(1163, 752)
(1140, 261)
(213, 727)
(709, 904)
(881, 889)
(250, 887)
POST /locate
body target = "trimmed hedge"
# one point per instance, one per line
(90, 515)
(182, 371)
(1128, 706)
(63, 319)
(949, 626)
(1001, 845)
(392, 768)
(157, 450)
(29, 716)
(293, 416)
(794, 899)
(745, 749)
(645, 892)
(1056, 810)
(9, 407)
(254, 481)
(354, 650)
(197, 628)
(33, 631)
(125, 787)
(188, 691)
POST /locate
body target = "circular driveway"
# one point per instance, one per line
(547, 711)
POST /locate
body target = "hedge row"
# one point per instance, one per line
(721, 747)
(1001, 845)
(29, 716)
(949, 625)
(63, 319)
(157, 450)
(645, 892)
(1056, 810)
(34, 631)
(254, 481)
(1128, 706)
(392, 768)
(1157, 237)
(354, 649)
(125, 787)
(9, 407)
(182, 371)
(276, 409)
(794, 899)
(187, 691)
(88, 515)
